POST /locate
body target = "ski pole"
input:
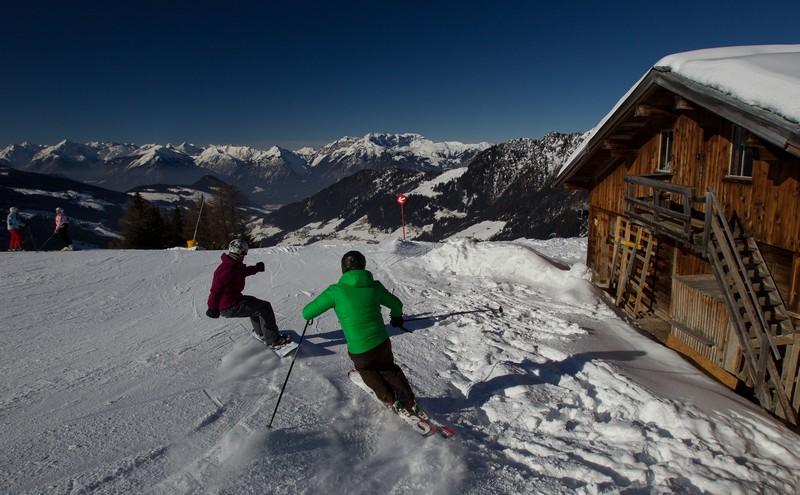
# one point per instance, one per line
(308, 322)
(456, 313)
(41, 248)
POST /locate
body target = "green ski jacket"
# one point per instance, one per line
(357, 299)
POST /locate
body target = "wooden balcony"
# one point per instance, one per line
(668, 209)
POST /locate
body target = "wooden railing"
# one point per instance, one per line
(669, 209)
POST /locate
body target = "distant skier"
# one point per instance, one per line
(14, 225)
(62, 228)
(226, 299)
(357, 299)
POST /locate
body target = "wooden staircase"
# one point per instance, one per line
(769, 342)
(756, 307)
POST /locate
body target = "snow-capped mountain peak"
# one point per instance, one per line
(270, 175)
(384, 150)
(109, 151)
(19, 155)
(69, 151)
(190, 149)
(151, 155)
(305, 152)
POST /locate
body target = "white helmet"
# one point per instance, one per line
(13, 209)
(59, 210)
(237, 248)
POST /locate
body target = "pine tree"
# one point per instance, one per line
(175, 235)
(133, 224)
(143, 226)
(224, 217)
(156, 229)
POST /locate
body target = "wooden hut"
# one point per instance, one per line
(694, 216)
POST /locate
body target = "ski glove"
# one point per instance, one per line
(260, 266)
(212, 313)
(396, 321)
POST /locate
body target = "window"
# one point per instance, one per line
(665, 152)
(741, 154)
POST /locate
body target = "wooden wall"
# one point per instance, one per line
(768, 205)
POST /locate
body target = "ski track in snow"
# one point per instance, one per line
(113, 380)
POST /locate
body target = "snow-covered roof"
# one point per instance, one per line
(765, 77)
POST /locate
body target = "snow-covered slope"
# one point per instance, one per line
(121, 384)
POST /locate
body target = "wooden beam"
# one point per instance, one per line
(627, 154)
(761, 148)
(712, 369)
(634, 124)
(575, 186)
(609, 144)
(651, 111)
(682, 104)
(779, 340)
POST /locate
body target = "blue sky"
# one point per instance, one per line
(262, 73)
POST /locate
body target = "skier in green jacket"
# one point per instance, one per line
(357, 299)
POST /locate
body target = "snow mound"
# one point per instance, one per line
(509, 262)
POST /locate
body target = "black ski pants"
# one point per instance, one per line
(64, 231)
(260, 313)
(379, 371)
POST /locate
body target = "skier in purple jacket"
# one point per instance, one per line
(226, 299)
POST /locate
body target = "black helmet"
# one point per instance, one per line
(353, 260)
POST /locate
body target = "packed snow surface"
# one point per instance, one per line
(114, 380)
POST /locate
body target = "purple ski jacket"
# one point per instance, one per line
(228, 283)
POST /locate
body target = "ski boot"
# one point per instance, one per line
(282, 340)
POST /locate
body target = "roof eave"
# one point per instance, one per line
(644, 86)
(767, 125)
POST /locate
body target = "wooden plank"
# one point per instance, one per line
(651, 111)
(644, 274)
(780, 340)
(789, 413)
(697, 334)
(682, 104)
(741, 332)
(742, 284)
(712, 369)
(796, 383)
(631, 252)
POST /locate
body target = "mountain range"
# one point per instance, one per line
(275, 175)
(505, 192)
